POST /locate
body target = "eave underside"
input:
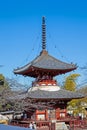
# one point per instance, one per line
(45, 64)
(35, 72)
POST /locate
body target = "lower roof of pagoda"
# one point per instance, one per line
(47, 94)
(45, 64)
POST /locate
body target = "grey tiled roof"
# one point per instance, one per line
(45, 62)
(60, 94)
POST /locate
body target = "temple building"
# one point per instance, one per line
(48, 98)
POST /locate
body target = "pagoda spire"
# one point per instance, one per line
(43, 34)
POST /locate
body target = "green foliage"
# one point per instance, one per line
(8, 106)
(76, 106)
(4, 92)
(73, 103)
(3, 82)
(2, 79)
(70, 82)
(1, 107)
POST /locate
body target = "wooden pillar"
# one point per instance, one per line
(57, 113)
(36, 115)
(46, 114)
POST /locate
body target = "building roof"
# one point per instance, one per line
(60, 94)
(48, 95)
(45, 63)
(42, 99)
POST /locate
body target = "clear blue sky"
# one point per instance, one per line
(20, 32)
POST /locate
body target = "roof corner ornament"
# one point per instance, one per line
(43, 34)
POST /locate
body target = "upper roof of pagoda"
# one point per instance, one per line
(45, 63)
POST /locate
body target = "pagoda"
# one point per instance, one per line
(51, 100)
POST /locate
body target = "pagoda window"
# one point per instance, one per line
(43, 84)
(54, 84)
(49, 84)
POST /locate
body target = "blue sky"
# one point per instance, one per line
(20, 32)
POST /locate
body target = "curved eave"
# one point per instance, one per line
(46, 63)
(61, 94)
(34, 72)
(55, 95)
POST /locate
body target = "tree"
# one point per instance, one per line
(5, 92)
(70, 82)
(75, 105)
(10, 93)
(2, 78)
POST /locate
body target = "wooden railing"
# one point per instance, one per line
(49, 125)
